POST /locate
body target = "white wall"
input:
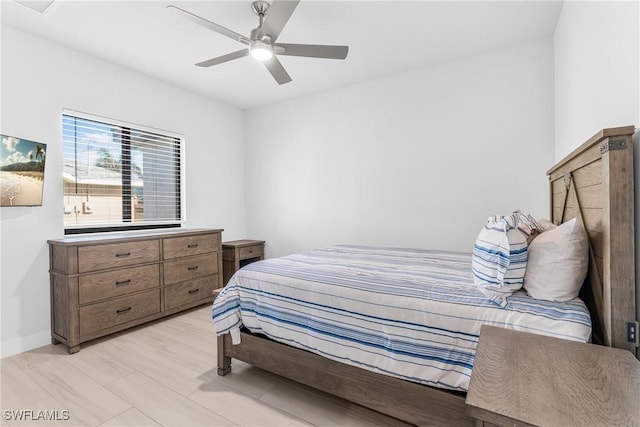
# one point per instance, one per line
(419, 159)
(596, 70)
(597, 80)
(39, 79)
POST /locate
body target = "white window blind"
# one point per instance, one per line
(119, 176)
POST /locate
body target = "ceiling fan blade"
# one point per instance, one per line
(277, 70)
(277, 16)
(224, 58)
(210, 25)
(314, 50)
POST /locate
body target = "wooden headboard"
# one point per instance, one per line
(595, 184)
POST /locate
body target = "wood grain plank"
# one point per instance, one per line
(589, 155)
(115, 283)
(196, 291)
(164, 405)
(85, 398)
(189, 268)
(97, 364)
(303, 402)
(180, 378)
(96, 317)
(583, 150)
(250, 380)
(17, 388)
(592, 217)
(588, 175)
(115, 255)
(591, 196)
(60, 297)
(233, 405)
(130, 417)
(553, 382)
(618, 243)
(176, 247)
(178, 332)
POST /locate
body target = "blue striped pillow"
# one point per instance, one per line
(499, 257)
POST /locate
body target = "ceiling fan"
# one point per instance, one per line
(262, 42)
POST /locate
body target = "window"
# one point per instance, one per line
(119, 176)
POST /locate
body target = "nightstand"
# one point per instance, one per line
(238, 253)
(523, 379)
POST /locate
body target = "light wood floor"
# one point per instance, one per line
(162, 374)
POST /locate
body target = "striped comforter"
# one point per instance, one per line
(412, 314)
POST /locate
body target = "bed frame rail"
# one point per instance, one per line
(413, 403)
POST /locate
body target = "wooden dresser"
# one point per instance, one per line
(107, 283)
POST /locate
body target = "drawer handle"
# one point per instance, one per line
(122, 255)
(192, 268)
(123, 283)
(195, 245)
(194, 291)
(123, 310)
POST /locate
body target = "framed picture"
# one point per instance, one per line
(21, 171)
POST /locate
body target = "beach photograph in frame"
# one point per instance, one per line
(21, 171)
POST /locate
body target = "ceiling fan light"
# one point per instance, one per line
(261, 51)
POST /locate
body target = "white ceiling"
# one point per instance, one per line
(384, 38)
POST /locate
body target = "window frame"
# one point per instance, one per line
(128, 225)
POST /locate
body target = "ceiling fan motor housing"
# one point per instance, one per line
(260, 7)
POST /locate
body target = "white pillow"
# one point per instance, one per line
(546, 225)
(558, 262)
(500, 257)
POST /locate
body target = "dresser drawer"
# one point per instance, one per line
(113, 255)
(177, 247)
(250, 252)
(182, 269)
(117, 311)
(188, 292)
(109, 284)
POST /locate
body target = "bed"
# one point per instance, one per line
(408, 372)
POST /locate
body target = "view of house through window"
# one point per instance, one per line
(116, 176)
